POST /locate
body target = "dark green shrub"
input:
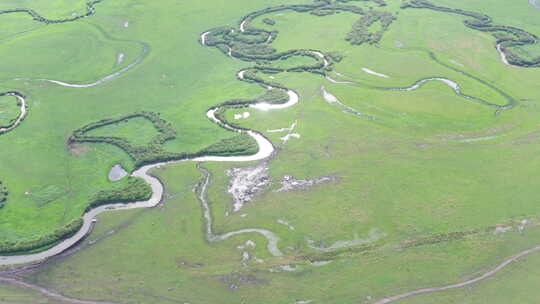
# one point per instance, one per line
(21, 246)
(269, 21)
(90, 10)
(360, 31)
(242, 144)
(135, 189)
(3, 194)
(140, 154)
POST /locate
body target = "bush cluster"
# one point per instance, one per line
(269, 21)
(3, 194)
(253, 44)
(360, 30)
(251, 36)
(271, 96)
(149, 153)
(252, 49)
(274, 96)
(154, 151)
(242, 144)
(439, 238)
(335, 56)
(21, 246)
(90, 10)
(334, 8)
(135, 190)
(379, 2)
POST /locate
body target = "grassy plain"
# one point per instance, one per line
(17, 295)
(430, 164)
(145, 131)
(190, 270)
(516, 284)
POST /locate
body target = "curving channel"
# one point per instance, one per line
(450, 83)
(265, 150)
(453, 85)
(510, 101)
(146, 48)
(23, 111)
(486, 275)
(272, 238)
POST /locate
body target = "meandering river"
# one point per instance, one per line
(266, 148)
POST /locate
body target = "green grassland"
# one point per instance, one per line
(50, 53)
(190, 270)
(516, 284)
(17, 295)
(124, 129)
(432, 172)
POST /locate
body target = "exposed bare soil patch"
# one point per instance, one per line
(289, 182)
(247, 182)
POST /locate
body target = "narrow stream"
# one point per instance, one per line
(272, 238)
(136, 62)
